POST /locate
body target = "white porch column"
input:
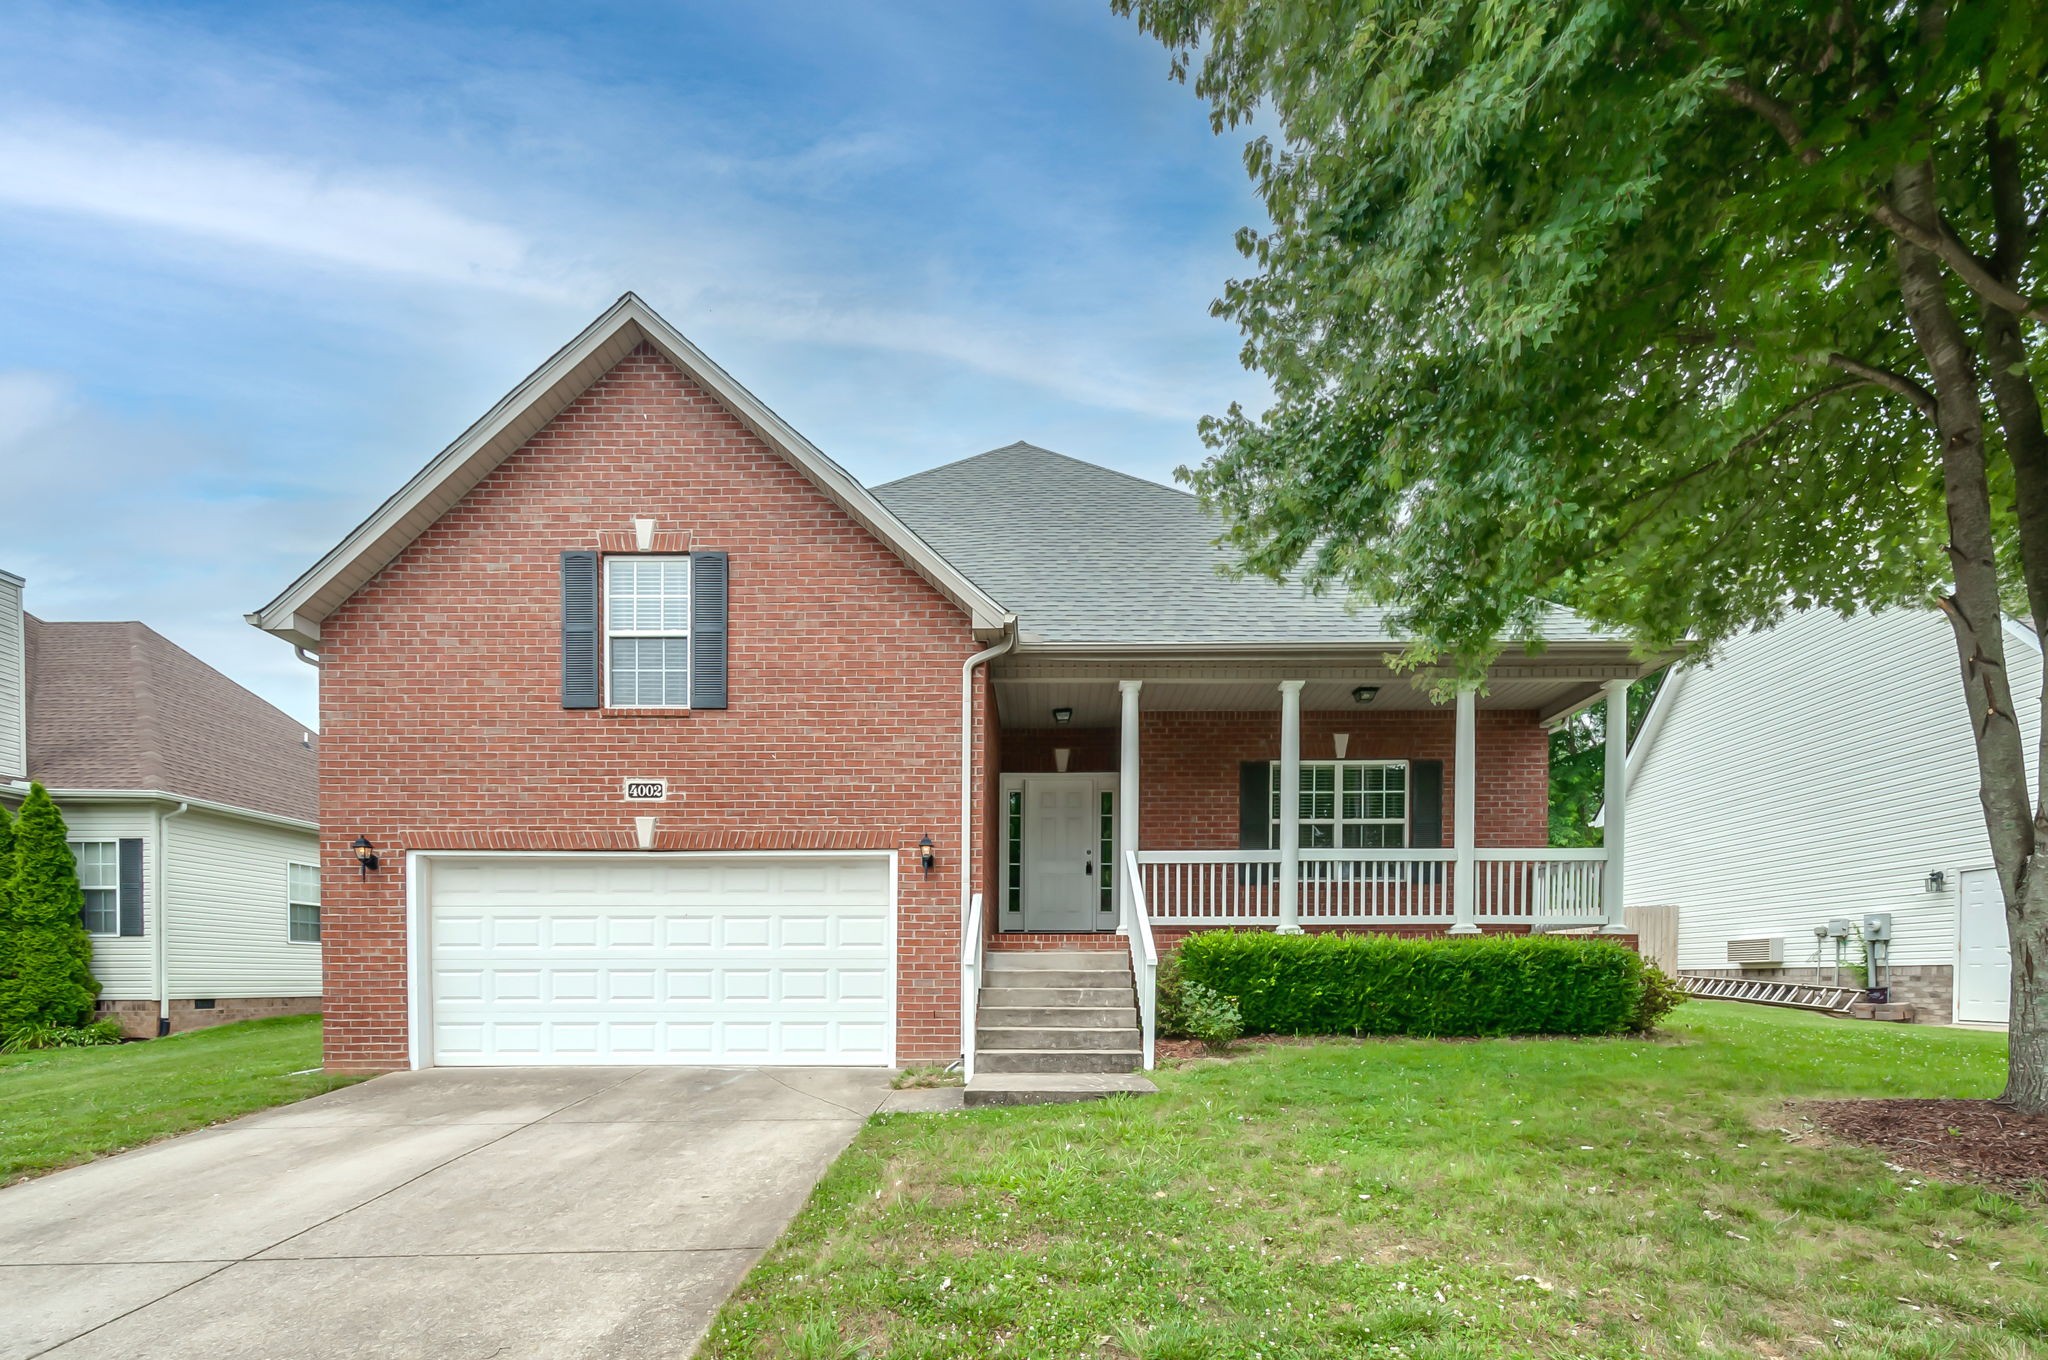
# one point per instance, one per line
(1126, 801)
(1290, 807)
(1465, 816)
(1616, 807)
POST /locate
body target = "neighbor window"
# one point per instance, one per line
(99, 873)
(647, 632)
(1349, 804)
(302, 894)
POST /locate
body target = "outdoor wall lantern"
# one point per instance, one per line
(924, 854)
(366, 854)
(1063, 716)
(1937, 881)
(1365, 694)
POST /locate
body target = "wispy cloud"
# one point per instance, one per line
(342, 216)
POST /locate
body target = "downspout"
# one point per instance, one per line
(161, 898)
(967, 759)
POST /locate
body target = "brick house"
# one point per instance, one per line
(674, 743)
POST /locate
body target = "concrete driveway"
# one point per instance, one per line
(558, 1212)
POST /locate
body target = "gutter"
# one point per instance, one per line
(20, 789)
(160, 897)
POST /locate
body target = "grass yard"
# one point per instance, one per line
(1416, 1199)
(70, 1105)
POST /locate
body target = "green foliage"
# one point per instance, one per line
(1387, 984)
(1578, 764)
(1661, 996)
(1193, 1010)
(45, 955)
(32, 1038)
(1552, 311)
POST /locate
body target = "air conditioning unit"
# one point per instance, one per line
(1764, 952)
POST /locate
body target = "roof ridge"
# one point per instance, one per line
(1014, 445)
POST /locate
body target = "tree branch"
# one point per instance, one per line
(1813, 398)
(1885, 378)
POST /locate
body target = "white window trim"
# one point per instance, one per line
(115, 933)
(291, 901)
(1339, 821)
(606, 632)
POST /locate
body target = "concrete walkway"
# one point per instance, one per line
(557, 1212)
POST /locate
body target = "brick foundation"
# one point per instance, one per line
(1929, 988)
(139, 1018)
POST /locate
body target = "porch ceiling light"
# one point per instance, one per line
(1063, 715)
(1365, 694)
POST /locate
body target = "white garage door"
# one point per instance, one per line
(672, 959)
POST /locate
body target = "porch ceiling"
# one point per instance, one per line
(1029, 703)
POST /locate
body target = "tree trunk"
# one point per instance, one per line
(1976, 616)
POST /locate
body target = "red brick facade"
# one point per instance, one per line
(441, 707)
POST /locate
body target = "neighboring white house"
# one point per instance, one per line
(192, 810)
(1824, 769)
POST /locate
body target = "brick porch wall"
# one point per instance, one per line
(441, 716)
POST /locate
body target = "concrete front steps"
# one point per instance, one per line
(1056, 1024)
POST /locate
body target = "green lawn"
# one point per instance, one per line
(68, 1105)
(1424, 1199)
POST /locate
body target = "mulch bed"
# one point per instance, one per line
(1972, 1140)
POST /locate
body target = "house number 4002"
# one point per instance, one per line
(646, 790)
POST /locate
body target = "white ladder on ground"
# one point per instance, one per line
(1802, 995)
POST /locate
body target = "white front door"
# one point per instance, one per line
(1983, 955)
(680, 958)
(1062, 849)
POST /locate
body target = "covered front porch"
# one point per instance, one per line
(1146, 799)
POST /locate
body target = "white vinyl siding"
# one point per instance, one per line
(124, 964)
(302, 903)
(647, 631)
(1819, 769)
(228, 881)
(99, 880)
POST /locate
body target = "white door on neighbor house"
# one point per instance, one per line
(629, 959)
(1983, 954)
(1062, 848)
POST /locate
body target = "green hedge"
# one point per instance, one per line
(1385, 984)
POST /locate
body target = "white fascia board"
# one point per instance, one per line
(11, 579)
(19, 791)
(296, 614)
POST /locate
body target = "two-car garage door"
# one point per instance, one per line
(538, 959)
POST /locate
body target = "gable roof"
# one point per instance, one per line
(118, 706)
(1083, 554)
(296, 614)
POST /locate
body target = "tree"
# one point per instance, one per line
(45, 955)
(1685, 314)
(1578, 763)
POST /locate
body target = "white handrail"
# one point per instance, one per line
(1144, 959)
(1538, 887)
(972, 946)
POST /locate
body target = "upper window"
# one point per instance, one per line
(302, 903)
(1349, 804)
(647, 632)
(99, 873)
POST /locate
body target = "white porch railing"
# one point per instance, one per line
(1144, 959)
(1370, 887)
(972, 949)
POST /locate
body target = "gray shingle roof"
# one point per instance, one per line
(1085, 554)
(120, 706)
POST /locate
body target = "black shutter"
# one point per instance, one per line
(580, 643)
(1426, 804)
(1254, 815)
(709, 573)
(131, 885)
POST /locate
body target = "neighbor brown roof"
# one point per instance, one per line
(120, 706)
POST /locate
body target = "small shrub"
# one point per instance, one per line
(30, 1038)
(1192, 1010)
(1661, 996)
(1169, 1007)
(1386, 984)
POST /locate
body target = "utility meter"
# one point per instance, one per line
(1840, 927)
(1877, 926)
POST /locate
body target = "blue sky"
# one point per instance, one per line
(261, 262)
